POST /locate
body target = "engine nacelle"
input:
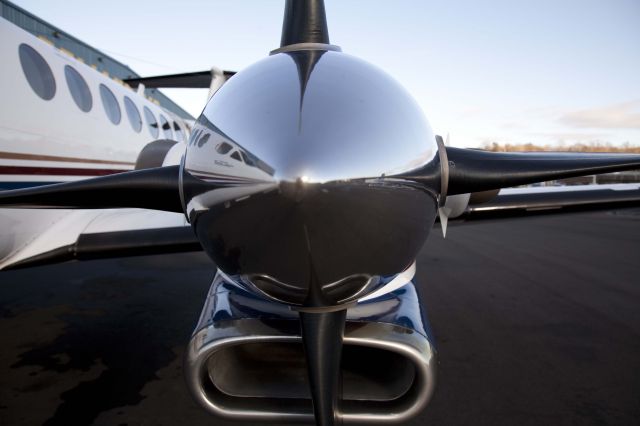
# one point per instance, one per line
(245, 360)
(456, 205)
(154, 154)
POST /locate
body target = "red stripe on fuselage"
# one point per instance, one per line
(57, 171)
(34, 157)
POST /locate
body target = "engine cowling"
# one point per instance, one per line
(456, 205)
(154, 154)
(245, 361)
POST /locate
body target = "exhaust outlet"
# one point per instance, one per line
(245, 361)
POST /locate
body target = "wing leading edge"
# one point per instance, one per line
(521, 201)
(53, 236)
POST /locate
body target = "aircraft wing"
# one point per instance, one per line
(519, 201)
(37, 237)
(63, 235)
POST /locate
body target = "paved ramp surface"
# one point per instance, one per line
(537, 321)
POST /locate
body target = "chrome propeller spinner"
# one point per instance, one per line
(313, 179)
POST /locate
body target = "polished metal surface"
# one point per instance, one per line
(245, 359)
(444, 171)
(310, 202)
(322, 115)
(305, 46)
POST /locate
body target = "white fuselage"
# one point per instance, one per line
(54, 140)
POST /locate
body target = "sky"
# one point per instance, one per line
(548, 72)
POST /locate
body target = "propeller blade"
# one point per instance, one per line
(473, 170)
(443, 214)
(304, 22)
(156, 189)
(322, 334)
(190, 80)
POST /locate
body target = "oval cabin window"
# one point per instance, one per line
(133, 114)
(78, 88)
(37, 72)
(110, 104)
(223, 148)
(204, 139)
(166, 127)
(151, 122)
(180, 135)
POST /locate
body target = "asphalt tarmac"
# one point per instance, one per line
(537, 322)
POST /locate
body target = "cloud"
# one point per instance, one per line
(513, 125)
(472, 111)
(573, 136)
(624, 115)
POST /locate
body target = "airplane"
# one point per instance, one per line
(68, 100)
(314, 237)
(81, 123)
